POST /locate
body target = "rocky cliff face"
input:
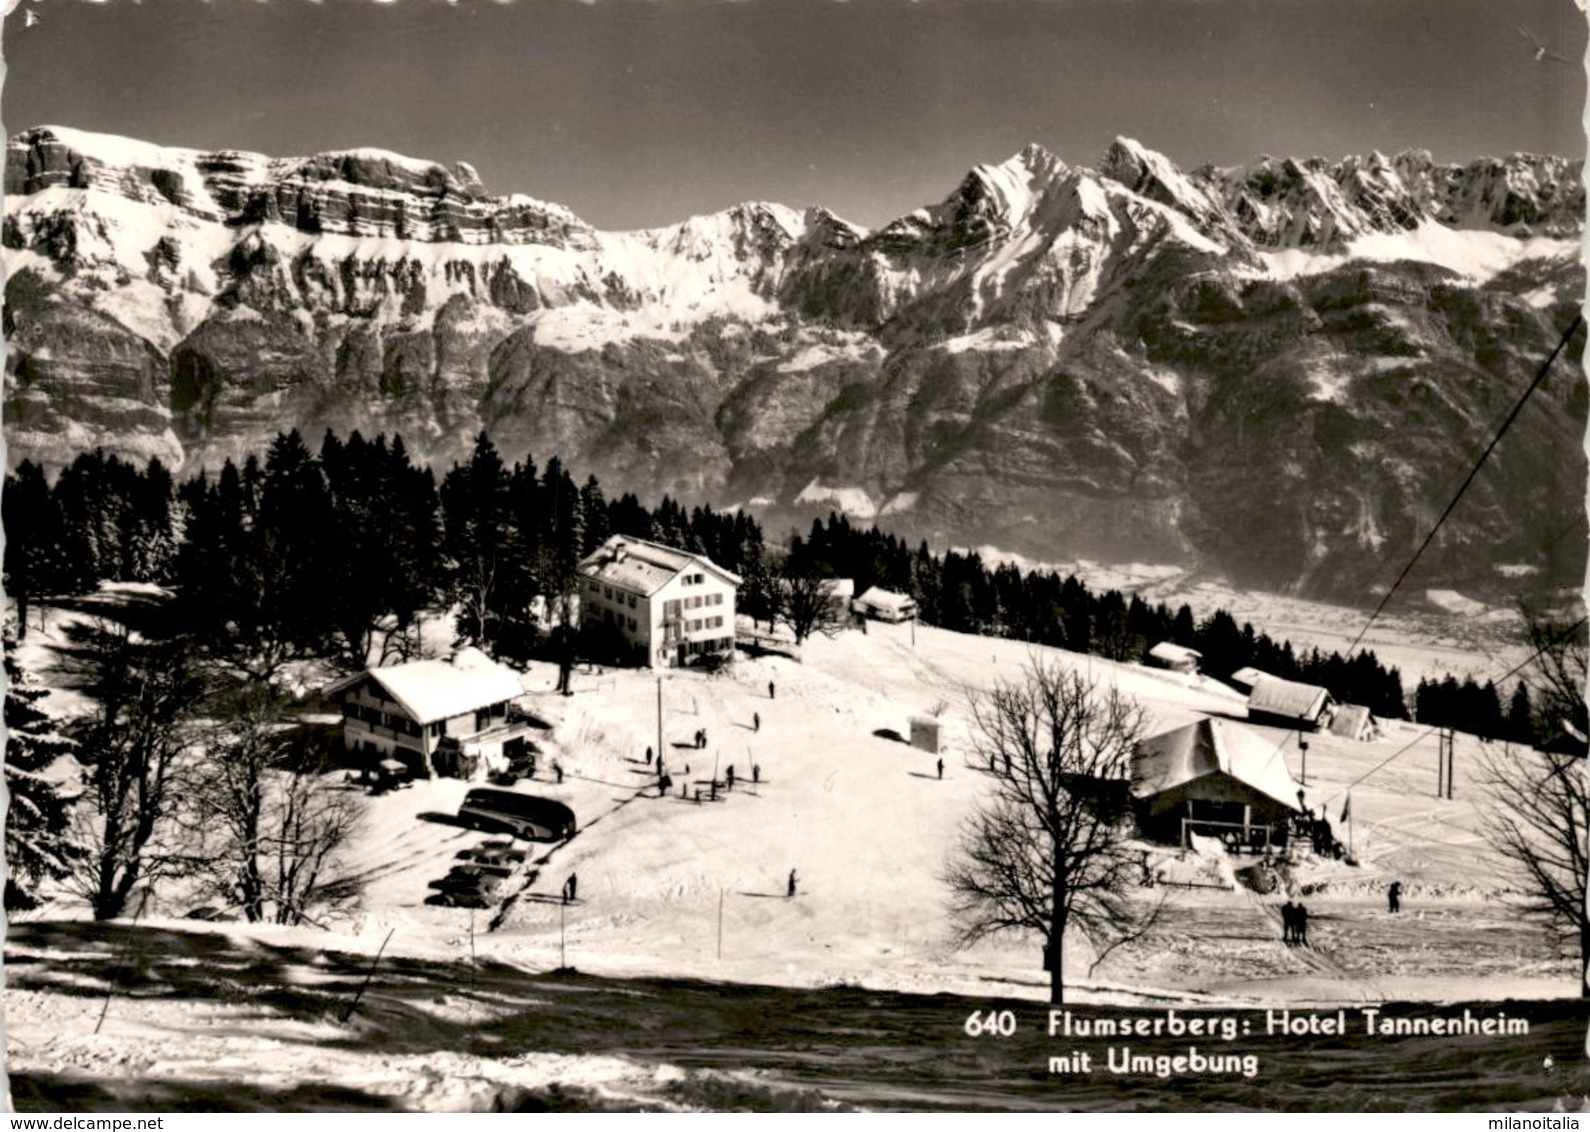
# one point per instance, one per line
(1277, 371)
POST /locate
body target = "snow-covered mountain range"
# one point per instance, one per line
(1277, 370)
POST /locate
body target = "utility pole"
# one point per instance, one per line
(1302, 746)
(1444, 761)
(659, 720)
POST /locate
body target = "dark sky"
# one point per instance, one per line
(642, 112)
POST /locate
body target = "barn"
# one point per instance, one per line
(1286, 703)
(1216, 778)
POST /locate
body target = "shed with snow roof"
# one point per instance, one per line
(885, 605)
(1178, 658)
(1216, 778)
(1354, 721)
(1287, 703)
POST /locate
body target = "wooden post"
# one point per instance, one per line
(368, 975)
(659, 719)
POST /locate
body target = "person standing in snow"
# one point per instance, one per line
(941, 770)
(571, 888)
(1394, 896)
(1288, 922)
(771, 691)
(1300, 926)
(648, 756)
(756, 773)
(756, 721)
(791, 891)
(729, 777)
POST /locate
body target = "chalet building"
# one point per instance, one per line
(1286, 703)
(1215, 778)
(885, 605)
(1177, 658)
(452, 717)
(665, 607)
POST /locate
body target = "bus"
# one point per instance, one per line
(523, 815)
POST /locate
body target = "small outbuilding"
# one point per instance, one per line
(1287, 703)
(1215, 778)
(925, 733)
(1354, 721)
(885, 605)
(1177, 658)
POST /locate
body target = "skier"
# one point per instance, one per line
(791, 891)
(756, 721)
(941, 770)
(756, 773)
(648, 756)
(729, 777)
(771, 691)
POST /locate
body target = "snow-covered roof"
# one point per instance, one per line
(1351, 720)
(1275, 696)
(1172, 653)
(432, 690)
(840, 587)
(1207, 747)
(645, 567)
(1249, 676)
(885, 599)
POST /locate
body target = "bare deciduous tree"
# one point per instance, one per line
(275, 827)
(806, 603)
(135, 746)
(1539, 818)
(1045, 853)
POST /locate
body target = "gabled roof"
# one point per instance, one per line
(1172, 653)
(1351, 720)
(887, 599)
(1275, 696)
(1212, 746)
(645, 567)
(432, 690)
(1249, 676)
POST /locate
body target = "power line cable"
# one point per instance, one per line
(1555, 639)
(1540, 376)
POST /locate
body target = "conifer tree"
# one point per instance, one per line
(38, 844)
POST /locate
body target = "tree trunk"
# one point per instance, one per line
(1057, 932)
(1584, 950)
